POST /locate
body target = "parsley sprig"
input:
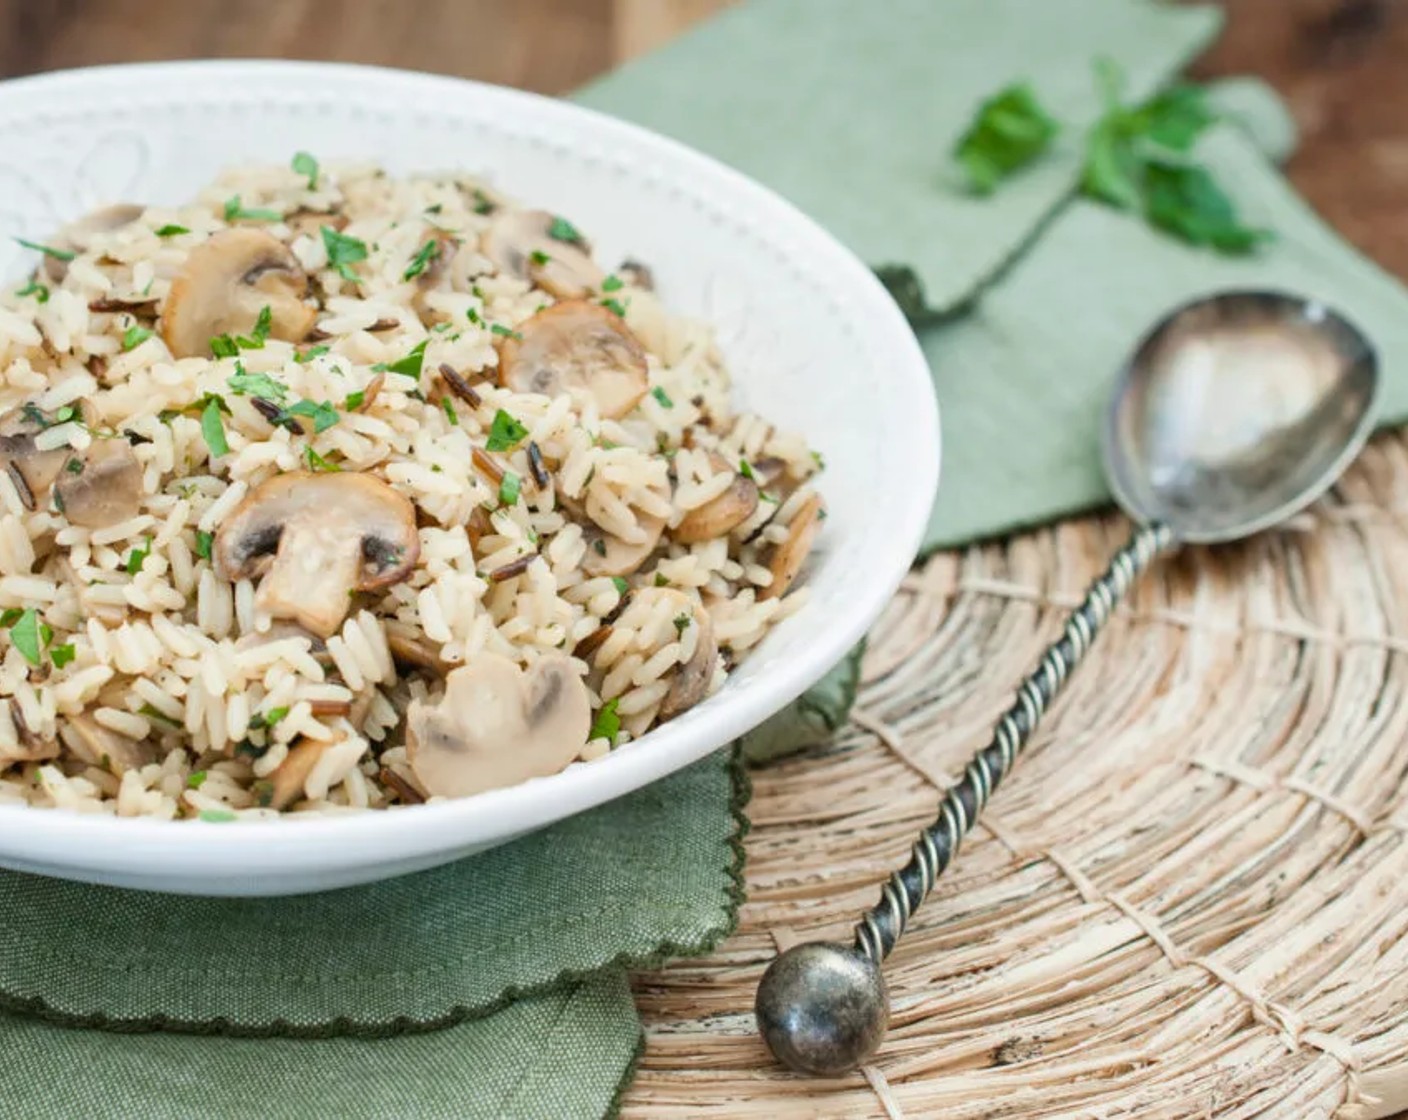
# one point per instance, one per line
(1010, 130)
(343, 252)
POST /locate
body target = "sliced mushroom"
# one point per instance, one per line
(692, 679)
(33, 471)
(319, 538)
(637, 274)
(31, 746)
(97, 746)
(285, 785)
(576, 345)
(521, 244)
(77, 237)
(720, 515)
(224, 285)
(497, 725)
(105, 489)
(608, 555)
(788, 557)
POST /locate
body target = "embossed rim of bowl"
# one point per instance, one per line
(286, 856)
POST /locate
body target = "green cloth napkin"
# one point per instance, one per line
(491, 987)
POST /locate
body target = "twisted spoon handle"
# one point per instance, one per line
(881, 927)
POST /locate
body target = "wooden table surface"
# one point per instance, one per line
(1340, 64)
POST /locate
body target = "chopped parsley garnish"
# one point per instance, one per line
(317, 464)
(48, 250)
(304, 164)
(305, 356)
(171, 231)
(244, 383)
(483, 204)
(323, 415)
(615, 306)
(509, 488)
(217, 816)
(134, 336)
(621, 585)
(612, 283)
(153, 712)
(681, 624)
(343, 253)
(449, 410)
(65, 414)
(9, 617)
(538, 257)
(204, 542)
(354, 400)
(505, 433)
(236, 211)
(745, 468)
(563, 230)
(227, 346)
(138, 556)
(1009, 131)
(663, 397)
(607, 724)
(74, 466)
(197, 779)
(223, 346)
(818, 460)
(267, 719)
(410, 365)
(504, 332)
(421, 261)
(29, 635)
(62, 655)
(473, 317)
(213, 428)
(35, 289)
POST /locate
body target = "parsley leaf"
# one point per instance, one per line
(217, 816)
(509, 488)
(213, 428)
(621, 585)
(607, 724)
(317, 464)
(1185, 200)
(244, 383)
(223, 346)
(539, 258)
(323, 415)
(615, 306)
(304, 164)
(411, 364)
(153, 712)
(612, 283)
(745, 468)
(505, 433)
(354, 400)
(504, 332)
(663, 397)
(26, 633)
(235, 211)
(48, 250)
(563, 230)
(134, 336)
(306, 356)
(138, 556)
(343, 253)
(171, 231)
(1009, 131)
(197, 779)
(681, 624)
(62, 655)
(421, 261)
(449, 409)
(204, 542)
(35, 289)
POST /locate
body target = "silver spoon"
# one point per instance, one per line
(1232, 414)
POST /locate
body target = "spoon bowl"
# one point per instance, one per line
(1237, 411)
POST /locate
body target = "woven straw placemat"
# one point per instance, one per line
(1191, 899)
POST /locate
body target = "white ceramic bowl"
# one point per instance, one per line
(812, 339)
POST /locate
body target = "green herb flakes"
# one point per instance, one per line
(213, 428)
(410, 365)
(612, 283)
(474, 317)
(171, 231)
(204, 542)
(48, 250)
(449, 410)
(62, 655)
(153, 712)
(505, 433)
(243, 383)
(682, 622)
(563, 230)
(663, 397)
(607, 724)
(197, 779)
(504, 332)
(354, 400)
(319, 465)
(745, 468)
(223, 346)
(509, 488)
(27, 636)
(235, 211)
(615, 306)
(304, 164)
(539, 258)
(620, 584)
(35, 289)
(343, 252)
(217, 816)
(303, 357)
(1009, 131)
(134, 336)
(421, 261)
(323, 415)
(138, 556)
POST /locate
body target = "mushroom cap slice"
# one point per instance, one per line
(720, 515)
(98, 746)
(693, 677)
(107, 489)
(497, 725)
(609, 555)
(38, 469)
(78, 236)
(285, 785)
(317, 538)
(576, 345)
(521, 245)
(224, 285)
(788, 557)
